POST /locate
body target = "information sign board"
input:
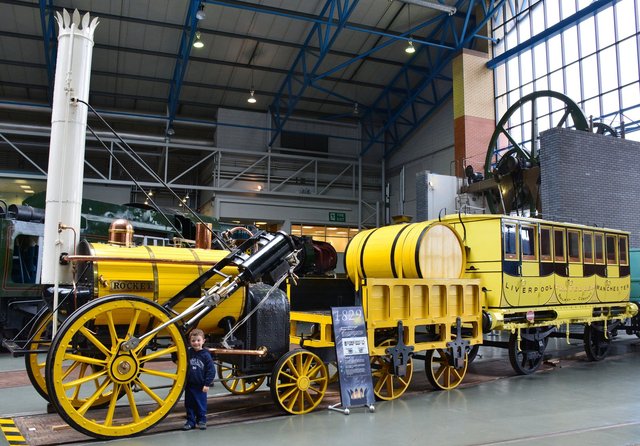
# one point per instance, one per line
(352, 354)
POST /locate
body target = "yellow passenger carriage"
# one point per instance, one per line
(538, 277)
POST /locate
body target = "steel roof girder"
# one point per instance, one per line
(326, 38)
(180, 69)
(442, 59)
(50, 51)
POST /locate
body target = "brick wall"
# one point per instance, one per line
(591, 179)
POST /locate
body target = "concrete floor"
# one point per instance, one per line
(574, 403)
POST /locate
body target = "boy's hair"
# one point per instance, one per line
(196, 332)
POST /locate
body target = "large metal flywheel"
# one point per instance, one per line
(512, 159)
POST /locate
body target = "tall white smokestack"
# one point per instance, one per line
(66, 150)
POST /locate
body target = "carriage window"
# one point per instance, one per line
(599, 248)
(611, 249)
(509, 242)
(587, 244)
(622, 249)
(558, 243)
(573, 238)
(545, 244)
(528, 242)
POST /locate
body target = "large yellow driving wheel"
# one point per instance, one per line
(35, 362)
(299, 381)
(40, 341)
(386, 384)
(151, 375)
(442, 372)
(234, 382)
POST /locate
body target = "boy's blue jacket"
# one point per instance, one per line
(201, 369)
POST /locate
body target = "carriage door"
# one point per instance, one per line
(530, 289)
(560, 266)
(511, 280)
(577, 291)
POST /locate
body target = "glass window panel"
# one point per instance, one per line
(610, 104)
(588, 248)
(509, 241)
(557, 81)
(537, 19)
(555, 53)
(592, 107)
(611, 249)
(528, 241)
(572, 73)
(625, 17)
(606, 36)
(568, 9)
(545, 244)
(599, 248)
(574, 245)
(630, 97)
(526, 68)
(558, 244)
(622, 249)
(540, 60)
(542, 83)
(570, 45)
(524, 28)
(590, 78)
(501, 83)
(526, 89)
(608, 69)
(629, 53)
(553, 13)
(513, 81)
(587, 34)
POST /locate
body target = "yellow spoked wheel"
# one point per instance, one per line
(35, 362)
(441, 371)
(387, 385)
(151, 375)
(299, 381)
(234, 382)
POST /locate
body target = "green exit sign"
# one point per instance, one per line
(337, 216)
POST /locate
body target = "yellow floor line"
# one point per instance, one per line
(11, 432)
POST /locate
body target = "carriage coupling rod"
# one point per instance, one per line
(211, 299)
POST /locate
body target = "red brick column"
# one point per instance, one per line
(473, 109)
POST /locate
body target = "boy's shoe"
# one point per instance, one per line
(187, 427)
(202, 425)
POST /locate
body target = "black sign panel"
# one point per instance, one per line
(352, 353)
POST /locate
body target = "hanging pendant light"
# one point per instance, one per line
(198, 43)
(252, 99)
(410, 49)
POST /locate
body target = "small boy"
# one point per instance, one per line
(199, 377)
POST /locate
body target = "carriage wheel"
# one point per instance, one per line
(232, 380)
(526, 358)
(441, 371)
(596, 345)
(473, 353)
(506, 148)
(299, 381)
(151, 375)
(386, 384)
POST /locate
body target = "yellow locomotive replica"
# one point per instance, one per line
(428, 290)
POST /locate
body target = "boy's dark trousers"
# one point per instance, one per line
(195, 400)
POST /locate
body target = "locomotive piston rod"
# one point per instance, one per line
(275, 256)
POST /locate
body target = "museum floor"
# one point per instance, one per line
(570, 401)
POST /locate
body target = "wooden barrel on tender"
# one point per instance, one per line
(428, 250)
